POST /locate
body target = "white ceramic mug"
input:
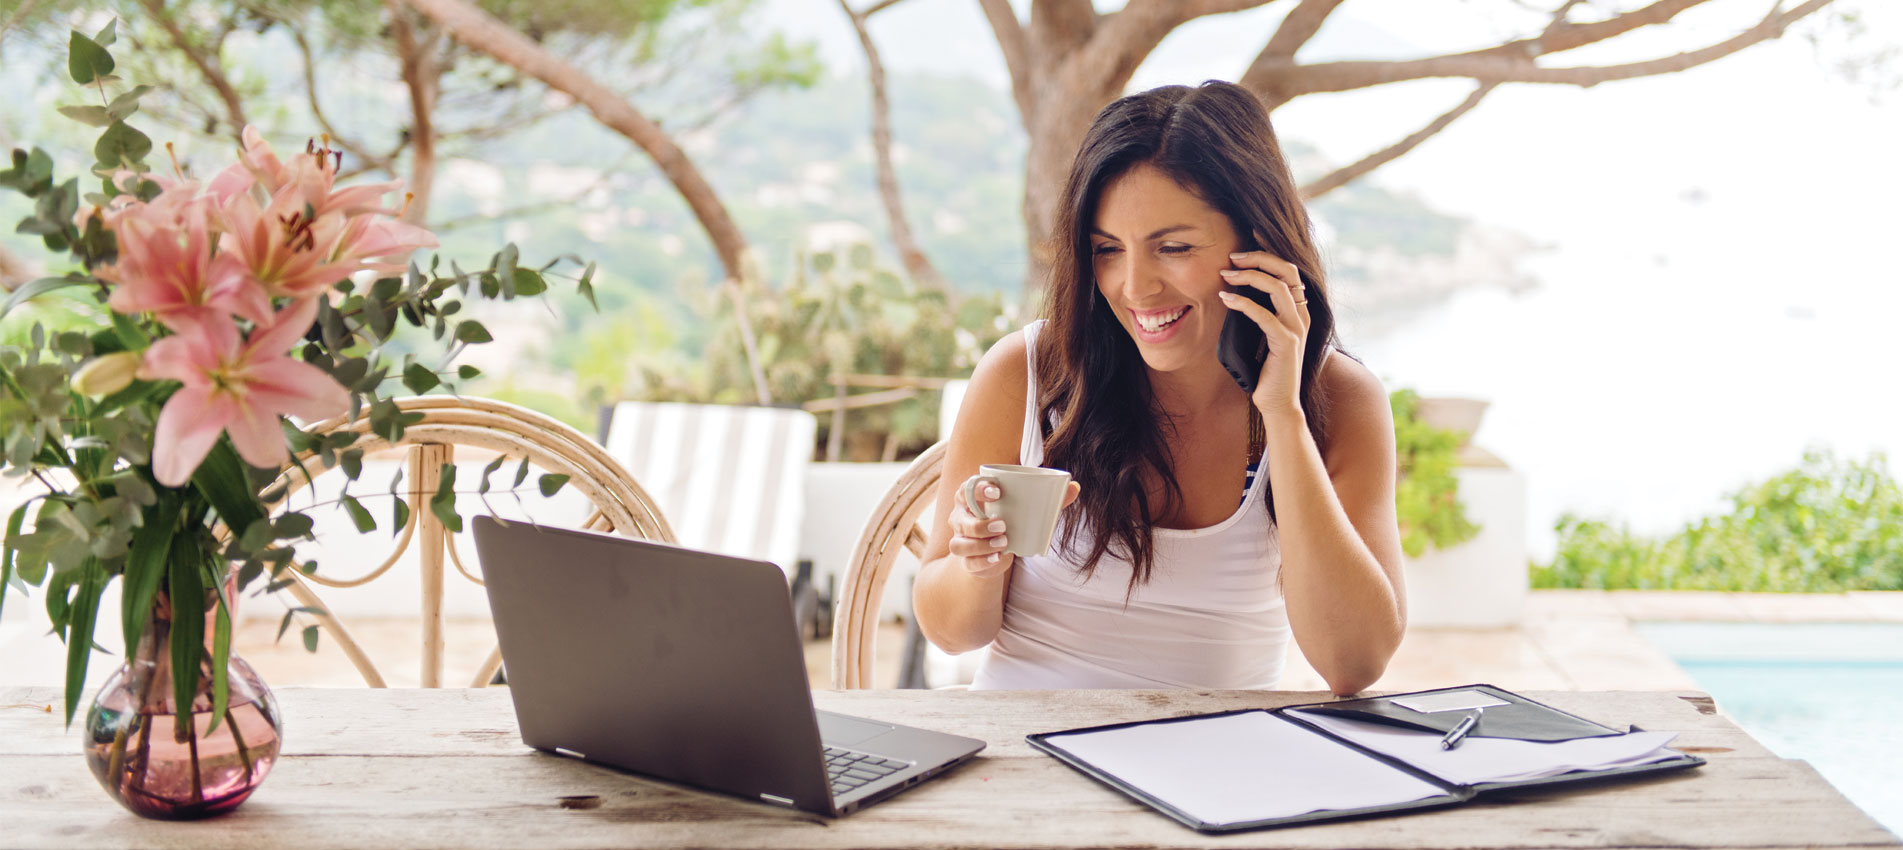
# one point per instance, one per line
(1029, 500)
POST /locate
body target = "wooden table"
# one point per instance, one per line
(445, 768)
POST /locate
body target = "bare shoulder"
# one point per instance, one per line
(1360, 420)
(990, 421)
(1000, 375)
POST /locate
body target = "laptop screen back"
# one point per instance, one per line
(679, 664)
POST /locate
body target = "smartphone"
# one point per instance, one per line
(1242, 348)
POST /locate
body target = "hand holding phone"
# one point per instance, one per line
(1242, 348)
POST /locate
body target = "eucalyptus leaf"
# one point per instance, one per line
(587, 288)
(96, 116)
(529, 282)
(551, 483)
(504, 266)
(443, 503)
(256, 536)
(292, 525)
(310, 638)
(419, 378)
(121, 144)
(127, 102)
(86, 60)
(472, 331)
(490, 470)
(358, 514)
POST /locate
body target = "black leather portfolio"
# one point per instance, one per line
(1258, 768)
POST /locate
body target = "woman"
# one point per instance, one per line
(1206, 525)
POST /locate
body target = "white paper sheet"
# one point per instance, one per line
(1244, 767)
(1479, 760)
(1448, 701)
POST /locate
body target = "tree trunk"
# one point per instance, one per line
(479, 30)
(423, 76)
(1057, 129)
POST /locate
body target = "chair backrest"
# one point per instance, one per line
(892, 528)
(732, 477)
(618, 503)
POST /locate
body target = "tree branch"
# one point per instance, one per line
(422, 77)
(1561, 36)
(1342, 176)
(1298, 27)
(1485, 67)
(207, 66)
(362, 153)
(1205, 8)
(917, 264)
(1011, 42)
(477, 29)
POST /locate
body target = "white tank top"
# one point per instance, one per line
(1211, 615)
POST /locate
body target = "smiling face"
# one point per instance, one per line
(1156, 251)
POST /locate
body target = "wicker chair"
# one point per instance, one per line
(619, 503)
(893, 527)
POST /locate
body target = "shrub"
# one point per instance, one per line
(1427, 496)
(1827, 526)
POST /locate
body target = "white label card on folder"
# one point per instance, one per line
(1448, 701)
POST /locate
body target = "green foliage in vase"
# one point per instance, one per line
(1829, 525)
(1427, 496)
(155, 421)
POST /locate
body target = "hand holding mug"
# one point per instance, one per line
(1006, 511)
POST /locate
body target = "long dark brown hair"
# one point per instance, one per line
(1215, 141)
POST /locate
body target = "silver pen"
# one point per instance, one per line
(1459, 732)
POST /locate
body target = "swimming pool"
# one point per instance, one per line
(1827, 693)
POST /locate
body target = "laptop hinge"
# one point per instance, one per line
(776, 799)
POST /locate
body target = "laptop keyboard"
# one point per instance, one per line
(849, 770)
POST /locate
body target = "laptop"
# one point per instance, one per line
(685, 666)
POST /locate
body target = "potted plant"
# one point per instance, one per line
(225, 312)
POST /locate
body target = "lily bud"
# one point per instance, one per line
(107, 374)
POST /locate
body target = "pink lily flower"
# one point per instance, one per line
(312, 173)
(256, 163)
(237, 386)
(167, 265)
(280, 249)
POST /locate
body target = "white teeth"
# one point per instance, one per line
(1157, 322)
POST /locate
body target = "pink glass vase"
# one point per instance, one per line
(159, 768)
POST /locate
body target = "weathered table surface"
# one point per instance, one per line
(445, 768)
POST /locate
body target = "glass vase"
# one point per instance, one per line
(158, 767)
